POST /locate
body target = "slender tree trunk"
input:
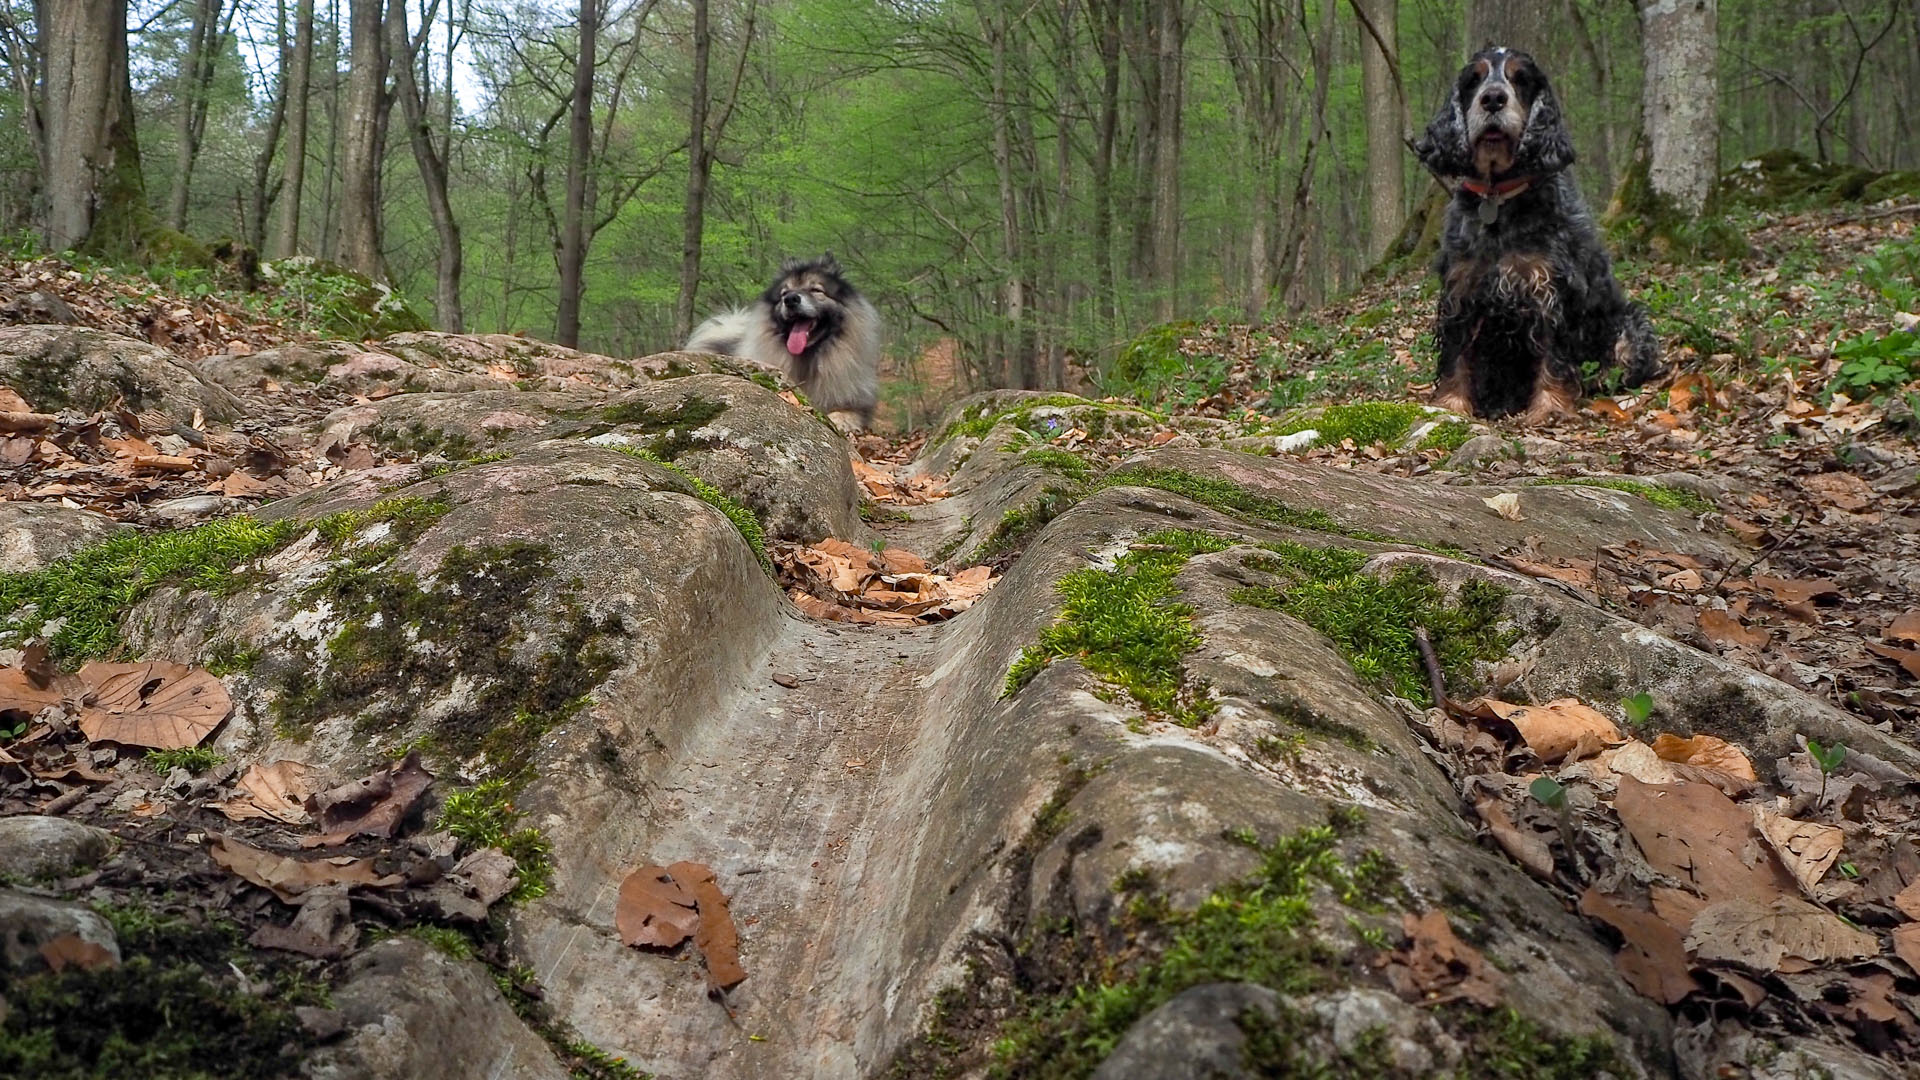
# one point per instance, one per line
(1104, 135)
(192, 85)
(1300, 223)
(263, 159)
(1066, 100)
(1013, 286)
(96, 198)
(573, 237)
(433, 165)
(357, 243)
(298, 84)
(699, 170)
(1171, 47)
(1681, 99)
(1386, 125)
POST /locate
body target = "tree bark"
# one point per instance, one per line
(1681, 108)
(699, 171)
(1386, 125)
(298, 83)
(1013, 283)
(263, 159)
(432, 162)
(1170, 47)
(363, 138)
(96, 199)
(573, 238)
(1104, 136)
(192, 85)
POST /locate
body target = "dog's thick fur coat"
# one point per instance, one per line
(1527, 292)
(814, 325)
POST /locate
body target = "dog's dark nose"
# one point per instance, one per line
(791, 300)
(1493, 99)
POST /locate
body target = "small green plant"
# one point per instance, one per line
(194, 759)
(1639, 709)
(484, 816)
(1871, 366)
(1365, 422)
(8, 734)
(1828, 758)
(1552, 794)
(1665, 496)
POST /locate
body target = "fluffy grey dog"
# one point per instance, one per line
(815, 326)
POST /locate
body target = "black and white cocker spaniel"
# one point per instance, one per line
(1527, 293)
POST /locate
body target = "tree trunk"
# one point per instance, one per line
(433, 165)
(573, 236)
(357, 241)
(1386, 125)
(1299, 221)
(1105, 133)
(1680, 112)
(286, 239)
(1013, 284)
(263, 159)
(699, 170)
(96, 199)
(192, 84)
(1516, 24)
(1170, 45)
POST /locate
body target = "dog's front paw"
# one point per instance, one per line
(849, 423)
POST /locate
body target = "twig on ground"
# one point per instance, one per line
(1436, 682)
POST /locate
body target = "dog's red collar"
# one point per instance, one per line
(1504, 190)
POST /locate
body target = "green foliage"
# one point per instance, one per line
(1872, 365)
(329, 300)
(1371, 620)
(1046, 457)
(592, 1063)
(1639, 709)
(1020, 523)
(1365, 422)
(1153, 367)
(742, 518)
(1827, 757)
(1893, 272)
(1662, 495)
(1448, 436)
(1021, 415)
(1122, 625)
(484, 816)
(1548, 792)
(1221, 495)
(444, 940)
(669, 431)
(194, 759)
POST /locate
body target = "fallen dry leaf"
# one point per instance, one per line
(1761, 934)
(1566, 729)
(1906, 944)
(1844, 490)
(1652, 956)
(1435, 967)
(156, 704)
(372, 805)
(74, 951)
(287, 876)
(1524, 846)
(1907, 900)
(1706, 752)
(1908, 659)
(275, 790)
(1725, 628)
(1695, 834)
(1797, 592)
(716, 937)
(1905, 628)
(1506, 504)
(1807, 848)
(654, 910)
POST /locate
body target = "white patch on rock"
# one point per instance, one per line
(1251, 664)
(310, 624)
(1299, 440)
(611, 438)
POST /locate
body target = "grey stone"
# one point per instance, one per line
(34, 534)
(1196, 1036)
(1478, 451)
(408, 1011)
(62, 367)
(189, 509)
(28, 922)
(33, 846)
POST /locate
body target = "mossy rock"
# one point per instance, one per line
(1790, 179)
(333, 301)
(1642, 221)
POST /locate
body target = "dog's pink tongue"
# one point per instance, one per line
(797, 337)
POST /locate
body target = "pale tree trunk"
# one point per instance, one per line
(1680, 112)
(95, 195)
(1066, 107)
(1171, 31)
(191, 88)
(1516, 24)
(1105, 131)
(263, 160)
(432, 161)
(286, 239)
(1013, 287)
(699, 171)
(1300, 220)
(1386, 123)
(363, 131)
(573, 236)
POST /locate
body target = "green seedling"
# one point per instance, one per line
(1552, 794)
(1639, 709)
(1828, 758)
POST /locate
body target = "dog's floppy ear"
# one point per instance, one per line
(1545, 147)
(1443, 149)
(827, 264)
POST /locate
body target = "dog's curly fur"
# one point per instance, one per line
(814, 325)
(1529, 297)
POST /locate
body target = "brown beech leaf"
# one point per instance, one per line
(1435, 967)
(716, 937)
(1906, 658)
(156, 704)
(287, 876)
(372, 805)
(1764, 935)
(1706, 752)
(1807, 848)
(1695, 834)
(1906, 944)
(654, 910)
(72, 950)
(1797, 592)
(274, 790)
(1725, 628)
(1652, 957)
(1524, 846)
(1905, 628)
(1907, 900)
(1566, 729)
(1844, 490)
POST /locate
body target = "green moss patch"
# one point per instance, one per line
(1662, 495)
(1372, 620)
(1094, 416)
(1046, 457)
(1223, 495)
(669, 430)
(485, 816)
(1448, 436)
(743, 519)
(1019, 524)
(1365, 422)
(1122, 625)
(416, 437)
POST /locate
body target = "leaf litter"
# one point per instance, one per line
(660, 907)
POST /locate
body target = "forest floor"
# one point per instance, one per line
(1786, 433)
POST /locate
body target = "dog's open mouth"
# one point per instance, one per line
(797, 336)
(1492, 139)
